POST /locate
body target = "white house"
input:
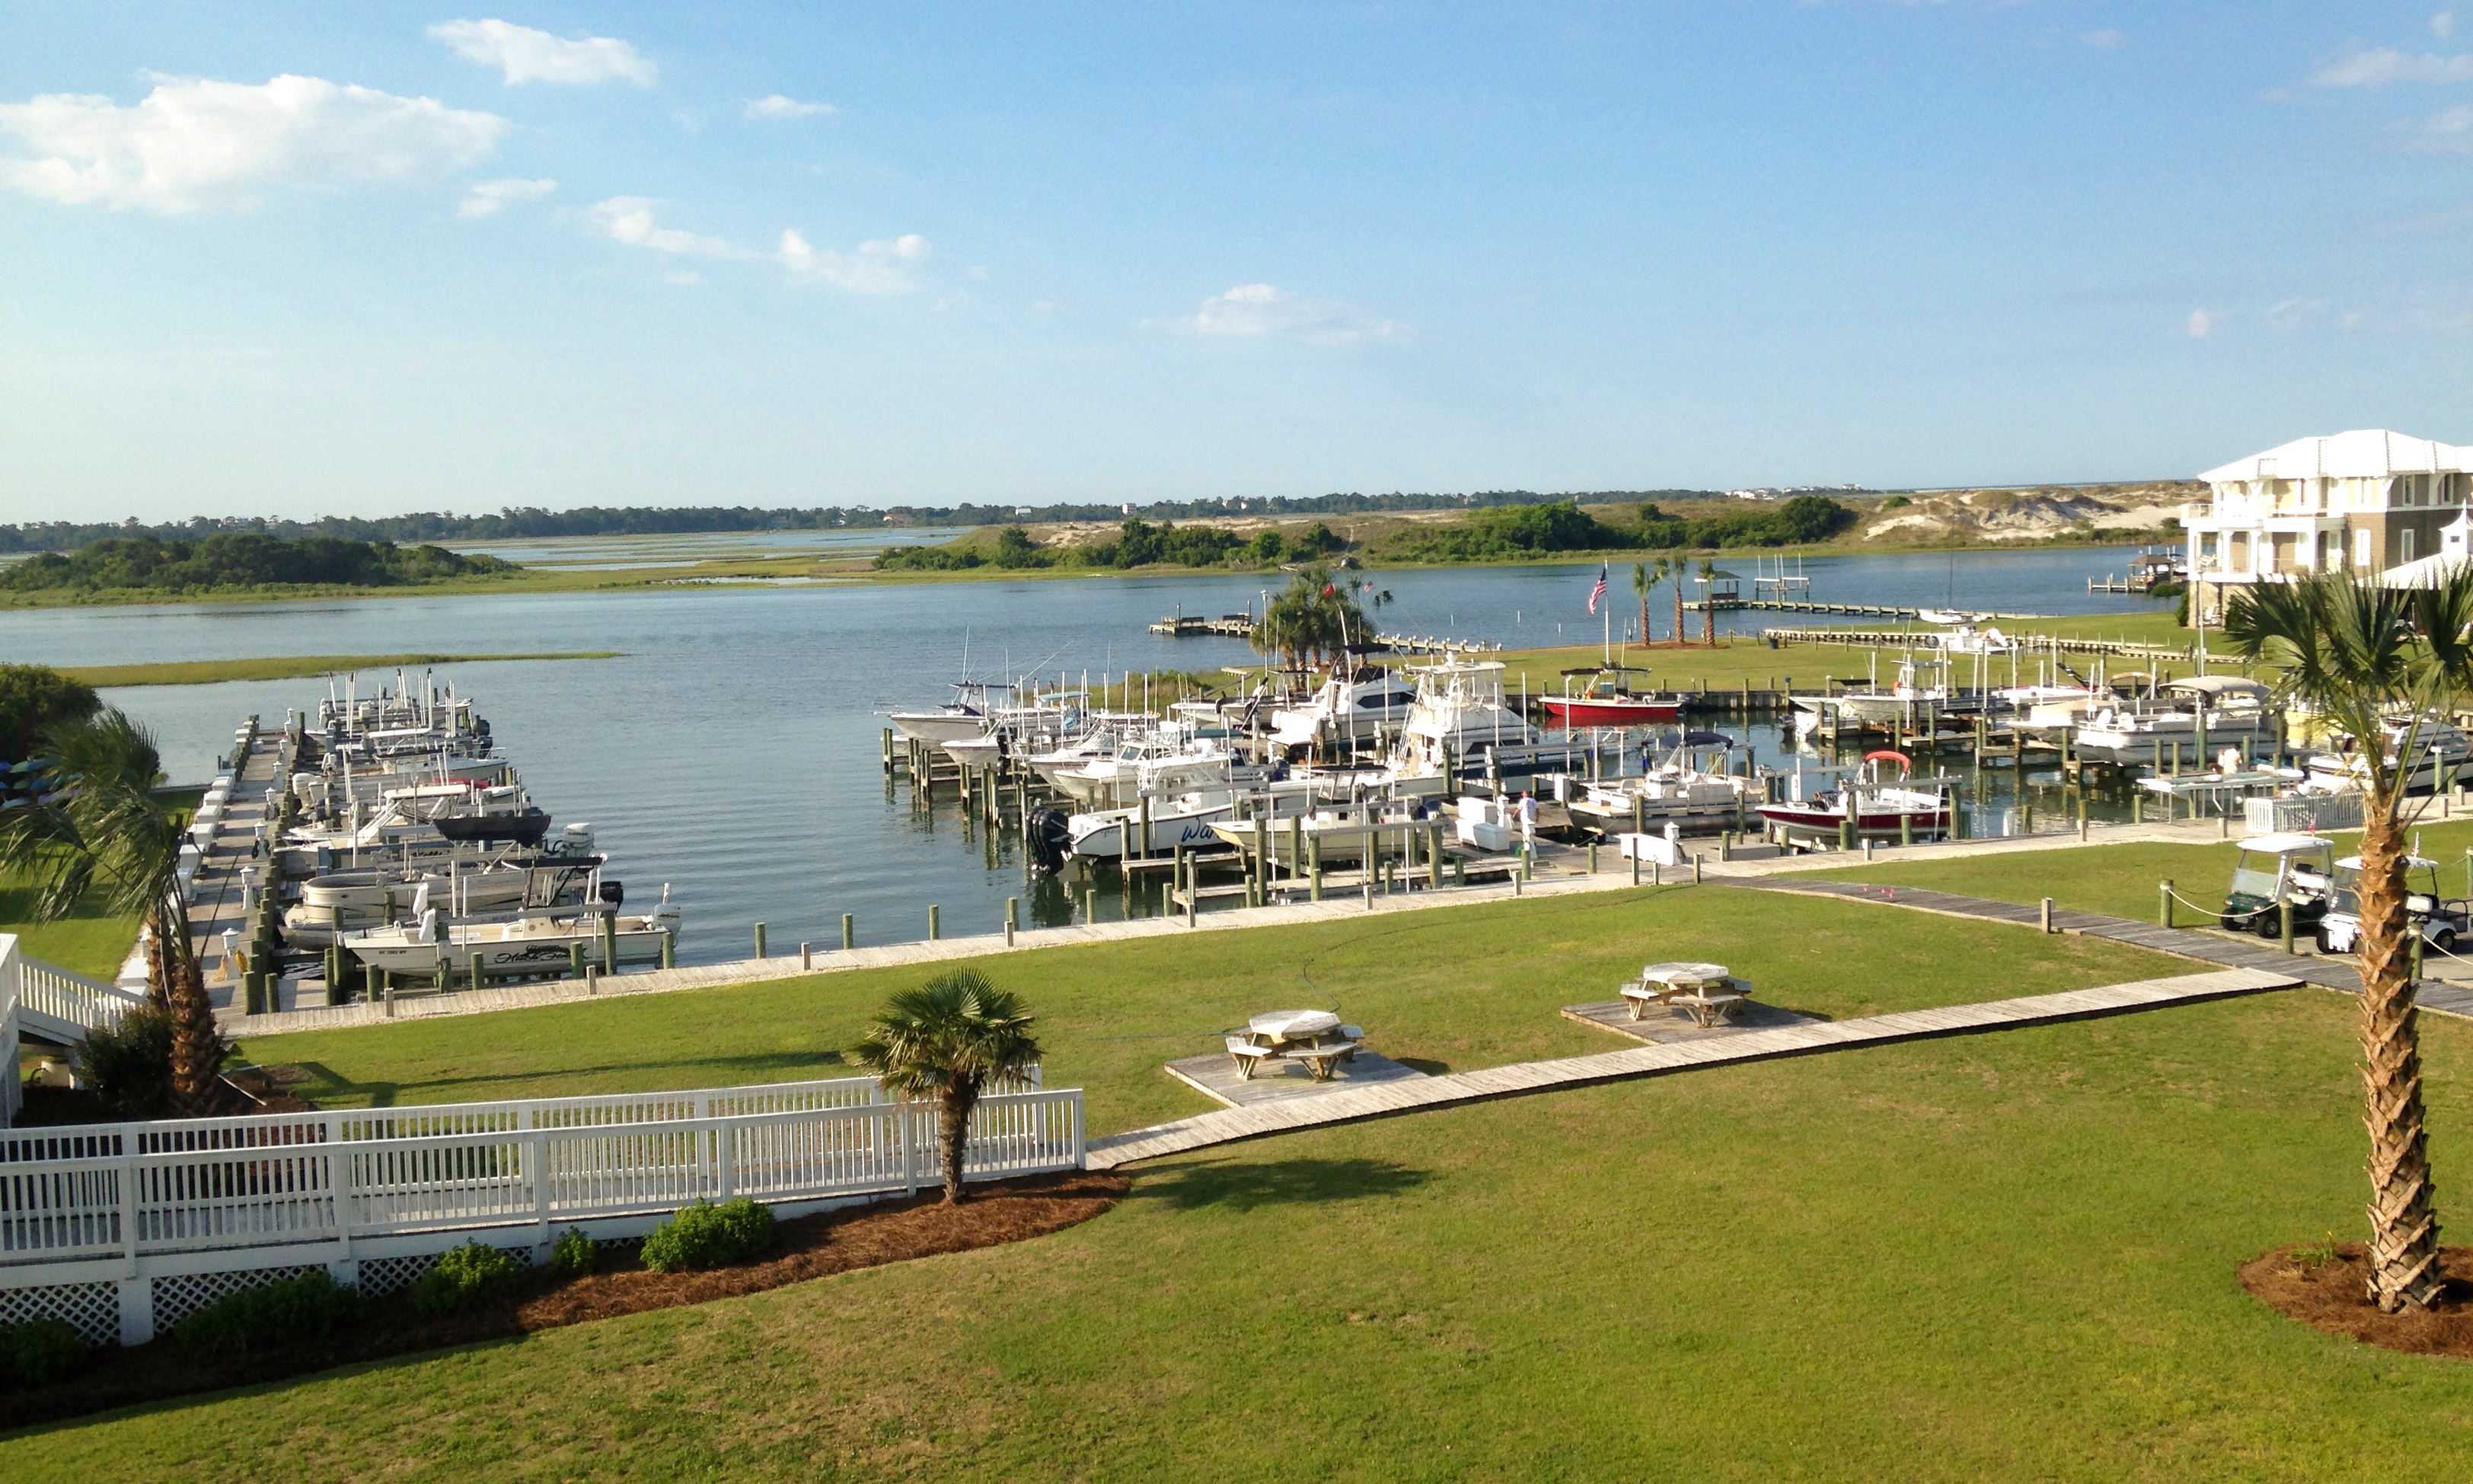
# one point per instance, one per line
(2369, 501)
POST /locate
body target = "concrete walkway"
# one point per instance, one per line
(1418, 1094)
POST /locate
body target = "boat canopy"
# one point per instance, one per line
(2219, 685)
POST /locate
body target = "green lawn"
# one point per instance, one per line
(1446, 989)
(2002, 1256)
(91, 942)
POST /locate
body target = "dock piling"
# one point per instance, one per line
(806, 955)
(935, 921)
(850, 930)
(759, 940)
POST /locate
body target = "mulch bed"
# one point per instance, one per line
(2329, 1292)
(828, 1242)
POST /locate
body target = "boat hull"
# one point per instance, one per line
(1872, 824)
(1579, 711)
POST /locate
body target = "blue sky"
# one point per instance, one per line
(362, 259)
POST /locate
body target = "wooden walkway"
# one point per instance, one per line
(2332, 973)
(1527, 1077)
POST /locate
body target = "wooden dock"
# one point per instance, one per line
(1926, 638)
(1523, 1078)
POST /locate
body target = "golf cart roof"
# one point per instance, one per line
(2286, 843)
(2412, 862)
(2219, 685)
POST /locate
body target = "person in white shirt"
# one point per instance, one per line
(1528, 819)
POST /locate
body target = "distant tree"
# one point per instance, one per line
(1267, 547)
(37, 701)
(946, 1041)
(1016, 549)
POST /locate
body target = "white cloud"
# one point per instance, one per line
(2201, 325)
(875, 268)
(777, 105)
(2447, 131)
(2384, 65)
(1255, 311)
(2101, 40)
(528, 56)
(880, 267)
(194, 142)
(490, 197)
(629, 218)
(2443, 25)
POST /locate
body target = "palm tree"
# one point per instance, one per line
(1708, 602)
(2365, 658)
(1314, 618)
(102, 831)
(1672, 568)
(1641, 582)
(947, 1039)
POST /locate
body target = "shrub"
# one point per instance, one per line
(464, 1278)
(312, 1303)
(573, 1255)
(129, 1065)
(42, 1350)
(705, 1235)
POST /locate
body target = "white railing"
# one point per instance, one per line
(75, 1194)
(48, 990)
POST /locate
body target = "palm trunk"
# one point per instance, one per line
(2404, 1225)
(1644, 617)
(196, 1047)
(1709, 618)
(953, 1136)
(158, 984)
(1678, 612)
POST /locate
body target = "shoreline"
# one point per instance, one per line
(548, 580)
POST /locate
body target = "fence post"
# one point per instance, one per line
(909, 1160)
(541, 1193)
(2164, 891)
(2047, 914)
(725, 1161)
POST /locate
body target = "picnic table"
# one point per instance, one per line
(1705, 991)
(1313, 1038)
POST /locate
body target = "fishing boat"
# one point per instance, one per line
(2440, 752)
(1166, 762)
(1874, 805)
(1678, 790)
(381, 895)
(2190, 715)
(966, 715)
(536, 943)
(1357, 706)
(1909, 700)
(1607, 700)
(1340, 830)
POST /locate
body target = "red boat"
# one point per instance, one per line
(1879, 808)
(1607, 702)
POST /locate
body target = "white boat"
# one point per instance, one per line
(379, 895)
(2198, 713)
(1179, 821)
(2440, 752)
(1166, 763)
(538, 942)
(1675, 790)
(1908, 699)
(1341, 830)
(1358, 708)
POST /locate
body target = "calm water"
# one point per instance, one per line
(734, 749)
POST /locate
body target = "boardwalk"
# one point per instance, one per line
(1527, 1077)
(2332, 973)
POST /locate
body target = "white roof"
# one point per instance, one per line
(2285, 843)
(2365, 453)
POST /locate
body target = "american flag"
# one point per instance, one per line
(1600, 590)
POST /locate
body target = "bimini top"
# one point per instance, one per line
(2220, 685)
(2281, 844)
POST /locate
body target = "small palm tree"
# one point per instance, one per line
(1708, 602)
(1641, 582)
(1672, 568)
(103, 831)
(2368, 659)
(948, 1040)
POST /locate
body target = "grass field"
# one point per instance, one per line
(2003, 1256)
(282, 667)
(1448, 989)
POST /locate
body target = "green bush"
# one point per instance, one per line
(42, 1350)
(464, 1277)
(573, 1255)
(129, 1065)
(312, 1303)
(705, 1235)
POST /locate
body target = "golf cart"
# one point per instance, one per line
(2280, 868)
(2441, 921)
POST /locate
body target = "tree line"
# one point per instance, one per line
(1137, 543)
(241, 559)
(533, 522)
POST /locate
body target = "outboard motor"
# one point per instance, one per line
(1048, 833)
(614, 893)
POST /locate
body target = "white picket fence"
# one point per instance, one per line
(161, 1217)
(52, 1002)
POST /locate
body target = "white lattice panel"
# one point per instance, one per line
(178, 1297)
(92, 1309)
(383, 1276)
